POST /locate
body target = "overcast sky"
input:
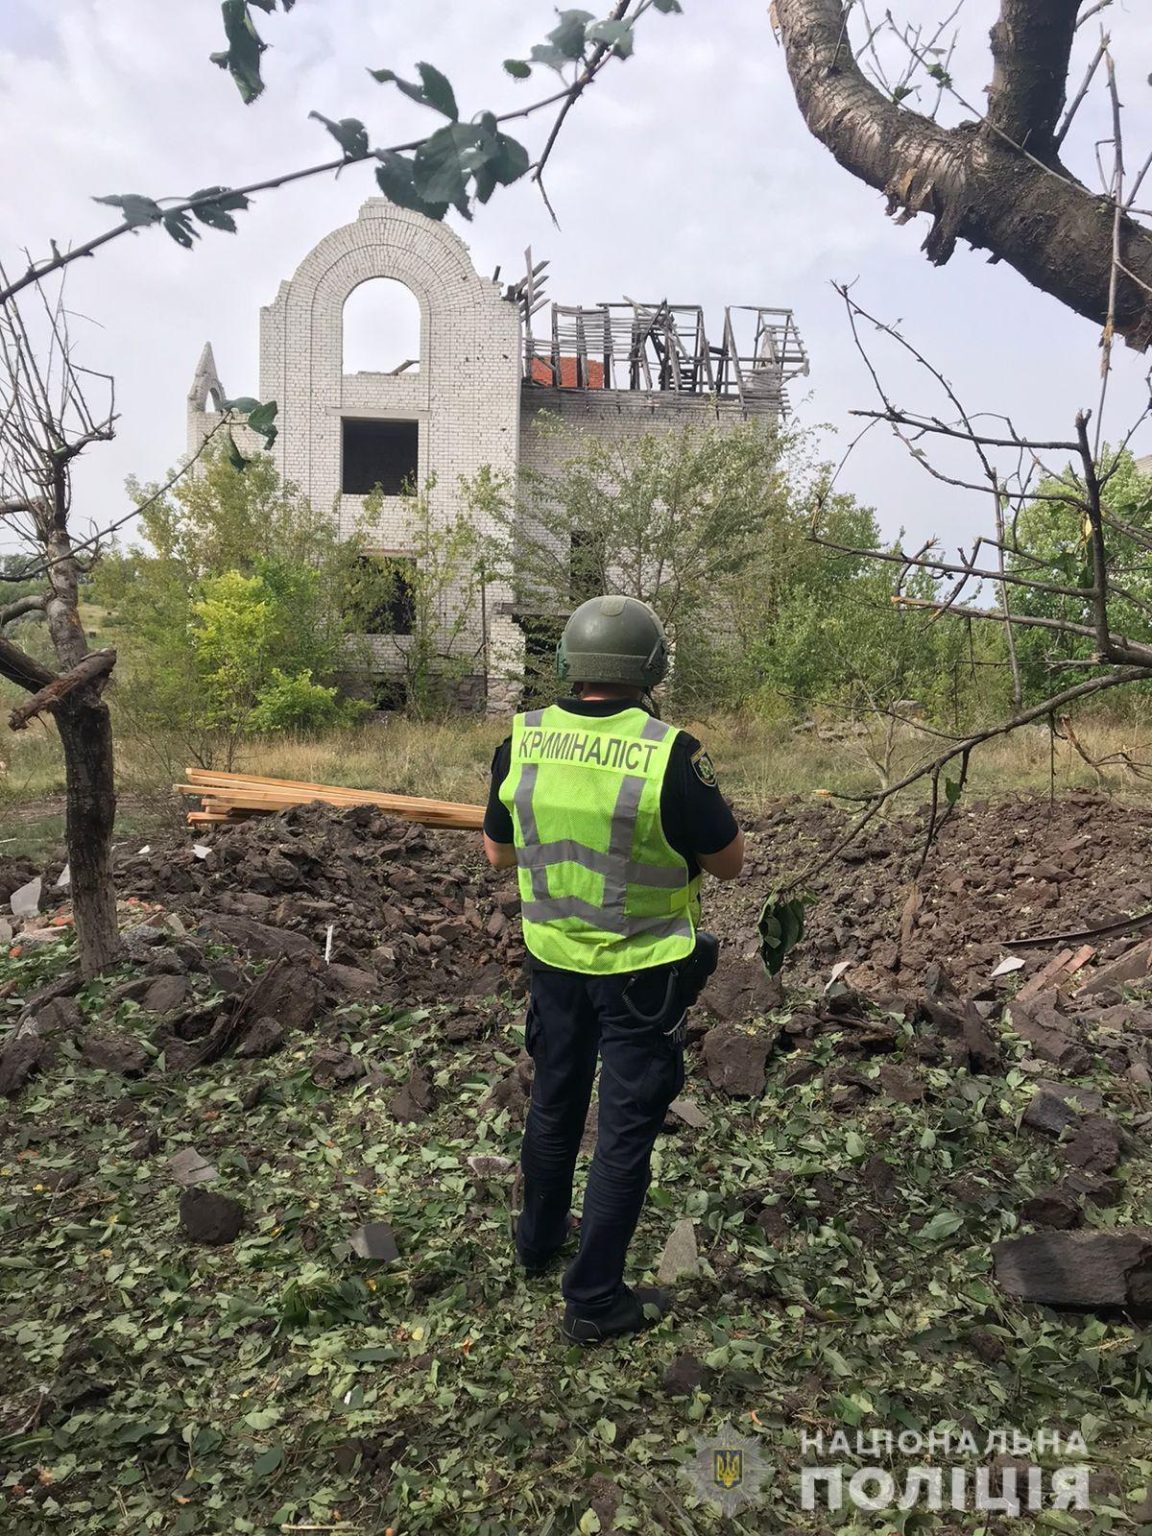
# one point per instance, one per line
(685, 174)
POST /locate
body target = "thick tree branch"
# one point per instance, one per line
(21, 669)
(94, 667)
(978, 184)
(1031, 48)
(20, 607)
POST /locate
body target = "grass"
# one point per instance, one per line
(279, 1384)
(758, 763)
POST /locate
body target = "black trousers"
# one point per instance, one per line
(572, 1018)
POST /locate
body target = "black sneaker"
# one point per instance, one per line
(633, 1310)
(535, 1265)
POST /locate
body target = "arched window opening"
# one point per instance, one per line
(381, 328)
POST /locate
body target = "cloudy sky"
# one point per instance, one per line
(685, 174)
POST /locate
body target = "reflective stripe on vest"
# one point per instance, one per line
(637, 869)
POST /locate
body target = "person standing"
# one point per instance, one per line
(609, 815)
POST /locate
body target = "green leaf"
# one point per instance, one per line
(262, 420)
(350, 133)
(614, 34)
(942, 1225)
(222, 197)
(242, 56)
(543, 53)
(519, 69)
(606, 1431)
(235, 457)
(669, 7)
(953, 789)
(180, 227)
(215, 217)
(136, 210)
(568, 37)
(243, 405)
(781, 927)
(438, 175)
(433, 91)
(438, 92)
(268, 1462)
(394, 175)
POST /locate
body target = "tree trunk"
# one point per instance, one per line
(85, 727)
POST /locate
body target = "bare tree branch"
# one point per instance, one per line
(22, 606)
(977, 183)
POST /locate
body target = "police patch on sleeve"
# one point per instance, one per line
(702, 767)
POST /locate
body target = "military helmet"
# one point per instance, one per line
(613, 640)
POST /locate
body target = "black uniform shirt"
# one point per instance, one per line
(695, 816)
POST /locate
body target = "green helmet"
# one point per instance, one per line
(613, 640)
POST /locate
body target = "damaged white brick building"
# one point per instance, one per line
(489, 359)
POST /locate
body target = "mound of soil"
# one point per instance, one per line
(420, 911)
(999, 870)
(411, 907)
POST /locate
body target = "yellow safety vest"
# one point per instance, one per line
(602, 890)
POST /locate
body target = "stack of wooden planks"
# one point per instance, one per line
(232, 797)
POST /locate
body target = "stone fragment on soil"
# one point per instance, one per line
(689, 1112)
(1098, 1188)
(291, 994)
(352, 981)
(1047, 1032)
(1049, 1112)
(683, 1376)
(165, 993)
(1096, 1147)
(414, 1100)
(1132, 967)
(486, 1166)
(735, 1058)
(800, 1072)
(680, 1259)
(265, 1036)
(900, 1084)
(257, 939)
(1052, 1208)
(25, 900)
(116, 1052)
(332, 1065)
(740, 989)
(375, 1241)
(1078, 1269)
(965, 1035)
(210, 1218)
(188, 1167)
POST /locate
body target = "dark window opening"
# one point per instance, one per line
(585, 566)
(379, 453)
(382, 597)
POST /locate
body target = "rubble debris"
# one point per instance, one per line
(735, 1058)
(1078, 1269)
(188, 1167)
(116, 1051)
(374, 1240)
(680, 1259)
(414, 1100)
(209, 1218)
